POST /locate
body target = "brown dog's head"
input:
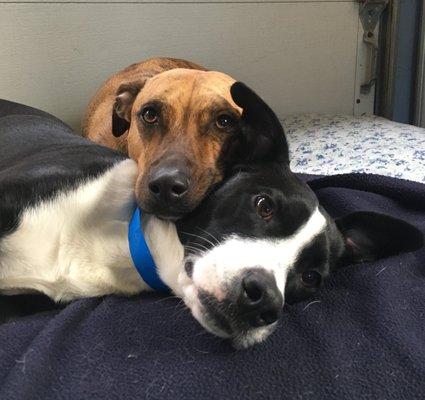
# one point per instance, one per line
(176, 123)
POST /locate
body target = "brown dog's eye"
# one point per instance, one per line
(224, 121)
(149, 115)
(265, 207)
(311, 279)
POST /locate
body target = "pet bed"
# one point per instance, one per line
(361, 337)
(329, 145)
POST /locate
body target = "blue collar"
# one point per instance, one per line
(141, 256)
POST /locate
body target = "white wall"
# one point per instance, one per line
(300, 55)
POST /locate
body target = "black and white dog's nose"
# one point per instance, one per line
(259, 301)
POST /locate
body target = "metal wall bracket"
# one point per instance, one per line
(370, 13)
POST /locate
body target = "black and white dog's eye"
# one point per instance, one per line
(149, 115)
(265, 207)
(224, 121)
(188, 267)
(311, 279)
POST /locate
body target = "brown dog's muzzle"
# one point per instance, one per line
(167, 189)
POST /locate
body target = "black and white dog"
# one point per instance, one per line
(259, 238)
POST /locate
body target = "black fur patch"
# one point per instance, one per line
(39, 157)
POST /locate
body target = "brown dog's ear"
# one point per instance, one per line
(121, 110)
(370, 236)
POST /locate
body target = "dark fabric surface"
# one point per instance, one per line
(9, 108)
(361, 338)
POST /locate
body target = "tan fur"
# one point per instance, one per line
(96, 123)
(192, 96)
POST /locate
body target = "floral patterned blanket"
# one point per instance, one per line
(328, 145)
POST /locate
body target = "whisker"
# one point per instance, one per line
(203, 332)
(179, 310)
(311, 302)
(382, 270)
(199, 237)
(194, 250)
(198, 244)
(166, 298)
(209, 234)
(179, 304)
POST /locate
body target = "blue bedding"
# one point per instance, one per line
(361, 338)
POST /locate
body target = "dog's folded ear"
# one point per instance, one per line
(260, 137)
(121, 111)
(370, 236)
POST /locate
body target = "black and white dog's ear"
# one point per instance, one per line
(121, 110)
(260, 137)
(369, 236)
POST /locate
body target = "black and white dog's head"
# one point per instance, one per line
(262, 238)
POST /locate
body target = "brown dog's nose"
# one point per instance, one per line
(169, 185)
(259, 301)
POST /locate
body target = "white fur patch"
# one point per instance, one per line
(167, 251)
(75, 244)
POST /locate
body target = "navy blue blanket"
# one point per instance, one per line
(363, 337)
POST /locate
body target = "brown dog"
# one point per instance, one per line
(173, 118)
